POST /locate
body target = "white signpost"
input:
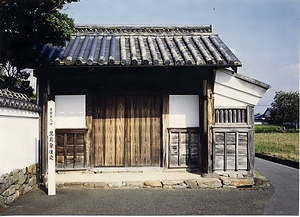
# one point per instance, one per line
(51, 148)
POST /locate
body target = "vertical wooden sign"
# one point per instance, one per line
(51, 148)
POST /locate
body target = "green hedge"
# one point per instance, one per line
(268, 129)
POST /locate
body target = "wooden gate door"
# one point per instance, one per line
(127, 131)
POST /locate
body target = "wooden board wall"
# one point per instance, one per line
(126, 131)
(233, 143)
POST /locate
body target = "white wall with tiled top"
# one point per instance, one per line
(19, 136)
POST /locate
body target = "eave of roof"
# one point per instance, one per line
(142, 46)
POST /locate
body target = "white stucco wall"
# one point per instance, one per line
(19, 136)
(235, 90)
(183, 111)
(70, 111)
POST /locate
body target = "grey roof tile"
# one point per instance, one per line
(142, 45)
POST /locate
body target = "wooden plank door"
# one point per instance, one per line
(109, 131)
(127, 131)
(144, 131)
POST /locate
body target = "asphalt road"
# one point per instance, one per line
(141, 202)
(281, 198)
(285, 184)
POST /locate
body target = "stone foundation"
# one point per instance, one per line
(207, 182)
(16, 183)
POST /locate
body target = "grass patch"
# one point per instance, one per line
(268, 129)
(282, 145)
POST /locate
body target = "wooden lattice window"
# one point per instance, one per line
(231, 115)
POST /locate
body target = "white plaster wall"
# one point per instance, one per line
(233, 91)
(70, 111)
(183, 111)
(19, 136)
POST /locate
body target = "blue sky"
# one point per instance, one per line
(264, 34)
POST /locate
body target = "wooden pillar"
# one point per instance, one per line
(42, 101)
(89, 135)
(251, 146)
(210, 123)
(203, 128)
(165, 123)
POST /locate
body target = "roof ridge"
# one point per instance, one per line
(144, 29)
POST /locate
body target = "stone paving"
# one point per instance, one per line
(158, 179)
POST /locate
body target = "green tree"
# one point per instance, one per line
(285, 107)
(14, 80)
(25, 25)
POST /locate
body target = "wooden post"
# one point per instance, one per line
(165, 140)
(51, 147)
(90, 134)
(210, 123)
(251, 149)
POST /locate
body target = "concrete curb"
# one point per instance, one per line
(289, 163)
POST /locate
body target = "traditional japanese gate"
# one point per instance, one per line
(127, 131)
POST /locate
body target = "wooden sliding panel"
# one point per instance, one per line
(99, 126)
(70, 149)
(230, 150)
(109, 131)
(133, 139)
(146, 132)
(143, 141)
(127, 131)
(184, 146)
(155, 129)
(120, 131)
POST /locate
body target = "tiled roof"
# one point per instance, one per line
(17, 101)
(142, 45)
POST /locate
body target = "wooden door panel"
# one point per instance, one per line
(99, 126)
(127, 131)
(184, 146)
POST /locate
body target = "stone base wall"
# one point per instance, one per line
(16, 183)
